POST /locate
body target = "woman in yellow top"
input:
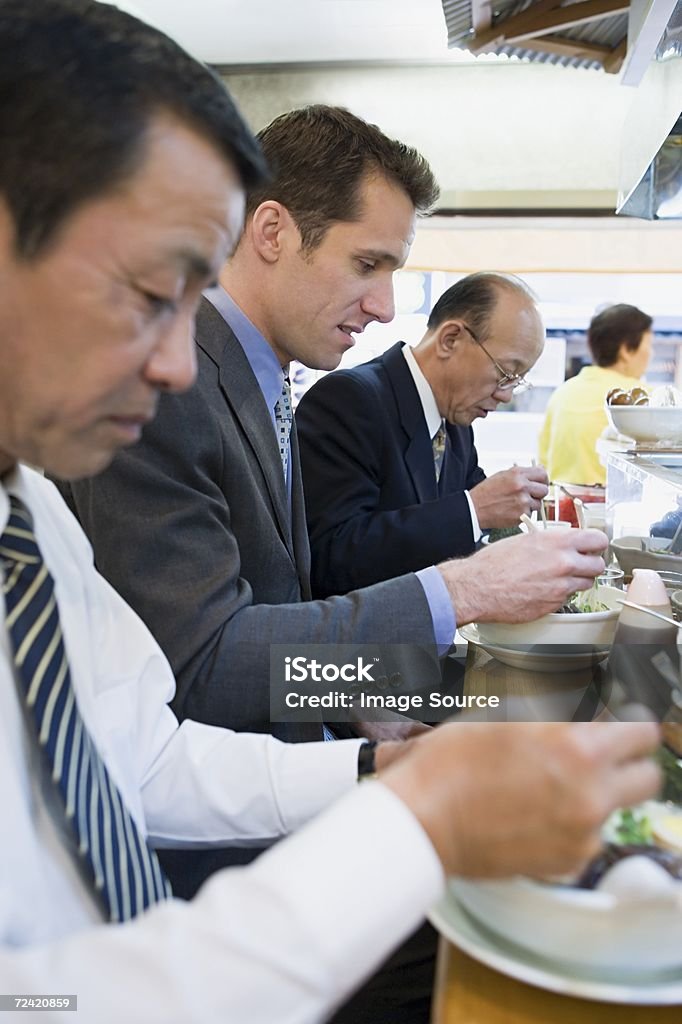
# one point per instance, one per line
(620, 342)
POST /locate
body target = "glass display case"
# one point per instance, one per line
(643, 494)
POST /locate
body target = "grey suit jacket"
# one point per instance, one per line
(191, 526)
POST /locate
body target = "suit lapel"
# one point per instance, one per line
(418, 453)
(299, 526)
(243, 395)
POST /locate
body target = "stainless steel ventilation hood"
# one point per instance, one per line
(651, 158)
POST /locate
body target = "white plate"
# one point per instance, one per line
(534, 661)
(655, 989)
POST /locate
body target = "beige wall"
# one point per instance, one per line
(601, 245)
(503, 129)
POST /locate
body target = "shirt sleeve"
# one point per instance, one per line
(209, 786)
(475, 525)
(442, 612)
(287, 938)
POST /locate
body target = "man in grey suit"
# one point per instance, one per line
(201, 525)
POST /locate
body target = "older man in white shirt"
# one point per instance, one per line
(121, 193)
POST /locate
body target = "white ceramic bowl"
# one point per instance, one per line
(591, 930)
(639, 553)
(647, 423)
(559, 631)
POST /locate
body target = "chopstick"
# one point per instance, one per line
(543, 513)
(528, 522)
(649, 611)
(579, 507)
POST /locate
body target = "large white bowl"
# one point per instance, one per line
(559, 632)
(581, 928)
(647, 423)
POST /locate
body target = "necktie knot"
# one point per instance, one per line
(284, 418)
(438, 444)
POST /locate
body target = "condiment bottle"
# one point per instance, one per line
(644, 660)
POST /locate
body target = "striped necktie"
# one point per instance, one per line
(438, 444)
(125, 871)
(283, 419)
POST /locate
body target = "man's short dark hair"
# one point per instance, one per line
(615, 326)
(79, 82)
(319, 156)
(474, 298)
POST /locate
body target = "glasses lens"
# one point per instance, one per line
(514, 384)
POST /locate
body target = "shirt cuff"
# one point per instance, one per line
(478, 533)
(309, 776)
(440, 606)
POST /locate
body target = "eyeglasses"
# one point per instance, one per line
(514, 382)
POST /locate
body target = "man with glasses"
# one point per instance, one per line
(391, 474)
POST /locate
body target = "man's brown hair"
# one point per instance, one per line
(319, 156)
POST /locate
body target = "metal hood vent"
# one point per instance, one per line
(657, 193)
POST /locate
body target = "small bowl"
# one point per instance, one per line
(611, 577)
(647, 423)
(636, 553)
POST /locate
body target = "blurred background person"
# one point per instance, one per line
(619, 339)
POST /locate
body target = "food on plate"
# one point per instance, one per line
(614, 853)
(578, 604)
(635, 396)
(667, 832)
(652, 830)
(670, 760)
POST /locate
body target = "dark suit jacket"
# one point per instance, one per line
(374, 507)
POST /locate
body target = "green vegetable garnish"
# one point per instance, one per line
(671, 766)
(634, 829)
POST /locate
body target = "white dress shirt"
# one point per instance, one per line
(284, 939)
(433, 421)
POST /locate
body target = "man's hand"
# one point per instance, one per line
(521, 578)
(507, 798)
(503, 498)
(391, 726)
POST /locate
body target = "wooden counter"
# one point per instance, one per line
(534, 696)
(467, 992)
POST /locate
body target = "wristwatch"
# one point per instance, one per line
(366, 761)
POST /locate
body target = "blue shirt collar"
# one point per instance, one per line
(262, 359)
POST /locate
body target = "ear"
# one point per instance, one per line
(270, 226)
(450, 337)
